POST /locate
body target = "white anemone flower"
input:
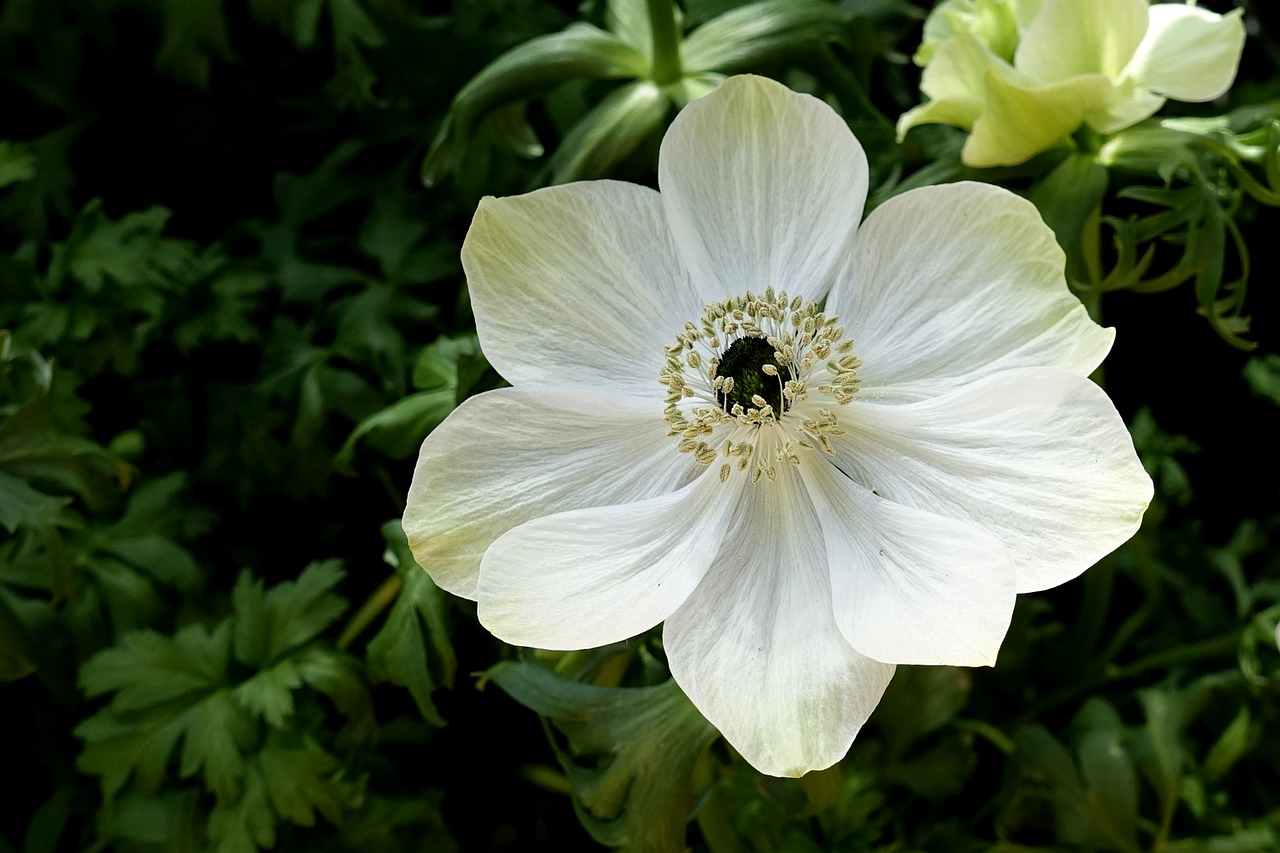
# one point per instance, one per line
(1020, 75)
(814, 449)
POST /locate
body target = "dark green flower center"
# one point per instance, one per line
(744, 362)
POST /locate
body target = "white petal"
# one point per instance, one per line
(756, 646)
(508, 456)
(1189, 54)
(578, 286)
(1072, 37)
(911, 586)
(762, 186)
(581, 579)
(1037, 456)
(950, 283)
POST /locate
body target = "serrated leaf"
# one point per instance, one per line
(246, 824)
(413, 649)
(216, 731)
(148, 669)
(337, 676)
(301, 781)
(269, 693)
(194, 31)
(290, 614)
(629, 755)
(21, 505)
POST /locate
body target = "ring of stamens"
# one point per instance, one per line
(800, 348)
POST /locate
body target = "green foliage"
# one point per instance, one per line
(214, 372)
(629, 752)
(413, 648)
(242, 700)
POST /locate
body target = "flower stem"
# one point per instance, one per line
(666, 68)
(381, 599)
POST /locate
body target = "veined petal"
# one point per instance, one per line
(587, 577)
(762, 186)
(911, 586)
(1068, 38)
(1037, 456)
(950, 283)
(577, 286)
(1129, 104)
(511, 455)
(1019, 120)
(1189, 54)
(756, 645)
(955, 81)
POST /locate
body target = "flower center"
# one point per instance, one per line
(751, 364)
(757, 381)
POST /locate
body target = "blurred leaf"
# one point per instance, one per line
(16, 163)
(920, 700)
(628, 752)
(763, 33)
(612, 130)
(1262, 372)
(270, 624)
(240, 731)
(446, 371)
(533, 68)
(413, 649)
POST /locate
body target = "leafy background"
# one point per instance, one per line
(230, 312)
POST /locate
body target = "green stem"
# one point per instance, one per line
(381, 599)
(666, 68)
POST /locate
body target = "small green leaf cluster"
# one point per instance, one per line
(237, 706)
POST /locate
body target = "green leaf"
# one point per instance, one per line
(1158, 748)
(1110, 782)
(1262, 372)
(21, 505)
(1235, 742)
(269, 693)
(149, 669)
(246, 824)
(290, 614)
(761, 34)
(17, 163)
(1047, 774)
(445, 372)
(413, 649)
(920, 700)
(194, 30)
(629, 752)
(528, 70)
(612, 130)
(1066, 198)
(303, 780)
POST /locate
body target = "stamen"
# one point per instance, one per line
(769, 362)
